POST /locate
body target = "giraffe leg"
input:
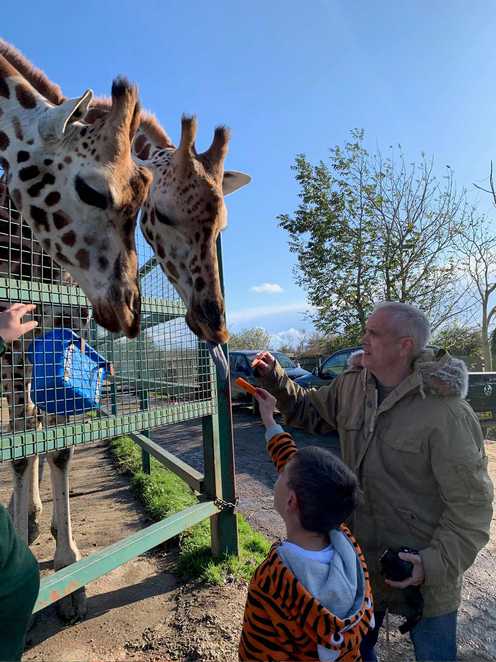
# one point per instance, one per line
(25, 506)
(73, 607)
(35, 506)
(21, 497)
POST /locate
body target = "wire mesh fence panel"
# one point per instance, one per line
(72, 382)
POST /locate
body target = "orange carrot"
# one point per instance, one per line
(255, 362)
(246, 386)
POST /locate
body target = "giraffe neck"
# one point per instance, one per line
(20, 112)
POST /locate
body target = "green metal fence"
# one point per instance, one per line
(164, 376)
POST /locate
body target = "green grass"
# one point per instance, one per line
(162, 494)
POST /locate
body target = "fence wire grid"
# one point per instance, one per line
(72, 382)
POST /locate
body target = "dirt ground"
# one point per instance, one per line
(141, 611)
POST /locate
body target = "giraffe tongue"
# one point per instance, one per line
(219, 359)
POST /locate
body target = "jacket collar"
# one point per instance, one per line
(435, 373)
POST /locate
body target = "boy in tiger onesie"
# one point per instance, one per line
(310, 599)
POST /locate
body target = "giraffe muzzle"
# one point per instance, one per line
(115, 317)
(206, 319)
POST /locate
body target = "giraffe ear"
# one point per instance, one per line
(55, 120)
(234, 180)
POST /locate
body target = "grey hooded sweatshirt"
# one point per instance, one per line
(339, 585)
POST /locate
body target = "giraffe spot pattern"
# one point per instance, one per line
(40, 218)
(17, 128)
(69, 238)
(52, 198)
(4, 88)
(60, 257)
(103, 263)
(61, 220)
(35, 189)
(30, 172)
(83, 257)
(199, 284)
(4, 141)
(171, 269)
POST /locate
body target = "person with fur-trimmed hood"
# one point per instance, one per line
(418, 451)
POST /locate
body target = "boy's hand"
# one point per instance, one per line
(11, 326)
(264, 362)
(267, 406)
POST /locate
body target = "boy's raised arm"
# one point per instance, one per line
(280, 445)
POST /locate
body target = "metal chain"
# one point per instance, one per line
(226, 505)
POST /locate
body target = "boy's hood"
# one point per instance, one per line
(338, 591)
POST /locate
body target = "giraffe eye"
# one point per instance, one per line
(163, 218)
(89, 195)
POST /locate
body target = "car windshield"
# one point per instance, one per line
(284, 361)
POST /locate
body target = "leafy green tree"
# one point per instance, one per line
(252, 338)
(369, 229)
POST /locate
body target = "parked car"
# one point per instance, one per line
(240, 366)
(481, 385)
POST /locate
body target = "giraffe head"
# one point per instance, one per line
(76, 184)
(183, 216)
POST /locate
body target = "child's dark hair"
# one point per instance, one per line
(326, 489)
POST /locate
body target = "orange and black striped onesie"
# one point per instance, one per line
(283, 621)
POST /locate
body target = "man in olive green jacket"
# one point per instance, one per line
(418, 450)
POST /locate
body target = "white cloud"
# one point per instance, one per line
(267, 288)
(249, 314)
(291, 337)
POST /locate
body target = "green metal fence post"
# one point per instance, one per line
(219, 459)
(143, 399)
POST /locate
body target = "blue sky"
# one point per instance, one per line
(287, 77)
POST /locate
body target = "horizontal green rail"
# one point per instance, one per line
(37, 292)
(12, 289)
(92, 567)
(190, 475)
(33, 442)
(165, 389)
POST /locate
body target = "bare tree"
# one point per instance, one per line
(419, 220)
(478, 248)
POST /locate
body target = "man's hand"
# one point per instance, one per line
(264, 362)
(418, 574)
(11, 326)
(267, 406)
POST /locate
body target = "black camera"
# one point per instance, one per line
(394, 568)
(397, 570)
